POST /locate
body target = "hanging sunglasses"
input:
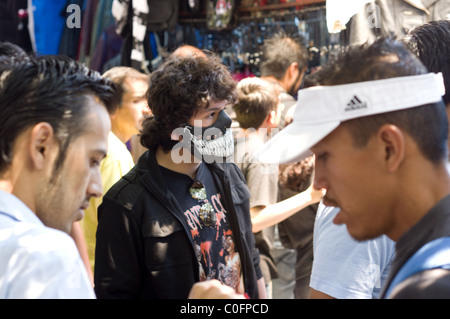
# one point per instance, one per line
(207, 213)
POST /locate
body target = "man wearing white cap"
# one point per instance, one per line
(378, 128)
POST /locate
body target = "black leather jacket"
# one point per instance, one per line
(144, 247)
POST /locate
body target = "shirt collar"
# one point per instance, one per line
(13, 207)
(113, 138)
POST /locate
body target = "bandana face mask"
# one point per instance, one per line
(213, 143)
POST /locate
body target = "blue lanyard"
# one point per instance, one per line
(433, 255)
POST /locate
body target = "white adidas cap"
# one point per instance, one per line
(322, 109)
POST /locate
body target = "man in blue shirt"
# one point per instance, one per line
(53, 134)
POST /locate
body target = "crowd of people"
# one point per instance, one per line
(186, 184)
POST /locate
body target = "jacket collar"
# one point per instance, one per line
(153, 179)
(421, 4)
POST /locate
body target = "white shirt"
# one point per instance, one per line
(343, 267)
(37, 261)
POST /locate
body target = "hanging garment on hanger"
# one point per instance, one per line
(139, 33)
(129, 24)
(13, 23)
(102, 20)
(338, 15)
(221, 14)
(135, 21)
(48, 25)
(156, 48)
(397, 17)
(84, 50)
(70, 36)
(163, 15)
(108, 47)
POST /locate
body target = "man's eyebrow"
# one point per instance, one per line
(216, 108)
(314, 149)
(100, 152)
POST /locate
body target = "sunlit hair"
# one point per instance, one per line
(279, 52)
(118, 75)
(256, 98)
(52, 89)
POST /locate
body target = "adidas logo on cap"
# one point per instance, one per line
(355, 104)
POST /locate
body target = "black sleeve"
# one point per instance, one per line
(117, 262)
(241, 195)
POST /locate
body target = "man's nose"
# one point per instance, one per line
(95, 187)
(146, 110)
(319, 178)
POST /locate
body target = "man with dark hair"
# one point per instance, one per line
(377, 126)
(53, 135)
(284, 62)
(181, 215)
(430, 42)
(11, 49)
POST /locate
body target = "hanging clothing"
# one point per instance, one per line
(135, 21)
(108, 47)
(86, 28)
(397, 17)
(103, 19)
(48, 25)
(70, 35)
(130, 24)
(13, 23)
(338, 15)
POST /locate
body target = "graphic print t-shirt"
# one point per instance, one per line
(215, 248)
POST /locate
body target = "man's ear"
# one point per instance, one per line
(393, 142)
(272, 117)
(41, 144)
(269, 120)
(293, 69)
